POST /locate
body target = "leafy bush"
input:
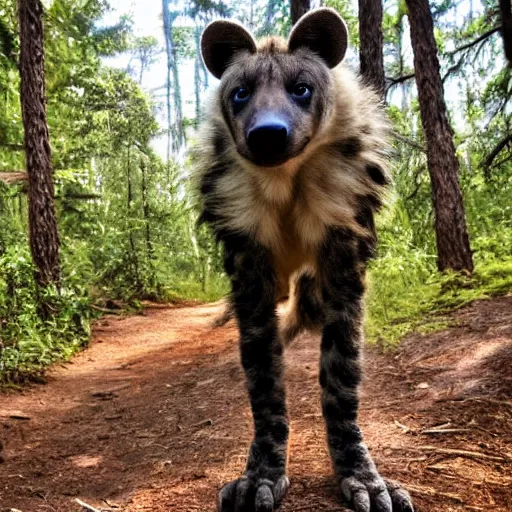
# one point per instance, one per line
(28, 343)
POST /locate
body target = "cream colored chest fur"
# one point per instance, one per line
(290, 210)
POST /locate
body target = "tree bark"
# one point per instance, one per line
(178, 108)
(506, 27)
(298, 8)
(452, 239)
(167, 28)
(43, 232)
(129, 202)
(176, 133)
(197, 73)
(371, 44)
(145, 210)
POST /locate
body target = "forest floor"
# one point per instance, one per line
(153, 416)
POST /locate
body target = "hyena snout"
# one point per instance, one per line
(268, 140)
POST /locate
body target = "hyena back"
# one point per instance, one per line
(293, 165)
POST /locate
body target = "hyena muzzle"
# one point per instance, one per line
(293, 165)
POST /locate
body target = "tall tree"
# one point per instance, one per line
(197, 72)
(452, 239)
(371, 44)
(506, 27)
(298, 8)
(176, 136)
(44, 236)
(145, 51)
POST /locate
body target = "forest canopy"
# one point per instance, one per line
(124, 201)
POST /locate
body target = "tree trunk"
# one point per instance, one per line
(165, 17)
(506, 27)
(145, 210)
(43, 232)
(179, 140)
(197, 73)
(450, 222)
(298, 8)
(129, 202)
(175, 134)
(371, 44)
(251, 15)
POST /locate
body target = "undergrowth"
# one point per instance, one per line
(404, 298)
(28, 344)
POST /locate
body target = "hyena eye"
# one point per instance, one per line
(302, 91)
(241, 95)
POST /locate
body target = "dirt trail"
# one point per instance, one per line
(154, 417)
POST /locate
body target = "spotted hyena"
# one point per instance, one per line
(293, 155)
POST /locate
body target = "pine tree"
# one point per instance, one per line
(298, 8)
(43, 232)
(452, 239)
(371, 44)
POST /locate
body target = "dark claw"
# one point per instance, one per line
(370, 493)
(264, 500)
(226, 498)
(402, 501)
(248, 495)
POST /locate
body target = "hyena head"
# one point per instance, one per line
(276, 95)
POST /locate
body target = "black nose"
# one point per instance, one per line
(267, 141)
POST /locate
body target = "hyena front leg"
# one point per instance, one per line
(264, 483)
(342, 284)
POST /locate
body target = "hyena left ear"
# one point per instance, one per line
(220, 41)
(324, 32)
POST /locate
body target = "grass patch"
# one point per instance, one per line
(216, 288)
(417, 299)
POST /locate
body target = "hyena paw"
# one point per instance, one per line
(371, 493)
(251, 494)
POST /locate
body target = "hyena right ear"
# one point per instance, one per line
(324, 32)
(220, 41)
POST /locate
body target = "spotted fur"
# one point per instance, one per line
(303, 229)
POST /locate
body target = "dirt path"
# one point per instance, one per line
(154, 417)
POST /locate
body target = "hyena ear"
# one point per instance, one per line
(324, 32)
(220, 41)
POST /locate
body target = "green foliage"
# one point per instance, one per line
(406, 291)
(126, 221)
(28, 343)
(408, 294)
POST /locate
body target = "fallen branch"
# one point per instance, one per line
(403, 427)
(14, 415)
(444, 430)
(204, 423)
(90, 508)
(429, 491)
(461, 453)
(476, 399)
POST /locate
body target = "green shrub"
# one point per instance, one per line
(28, 343)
